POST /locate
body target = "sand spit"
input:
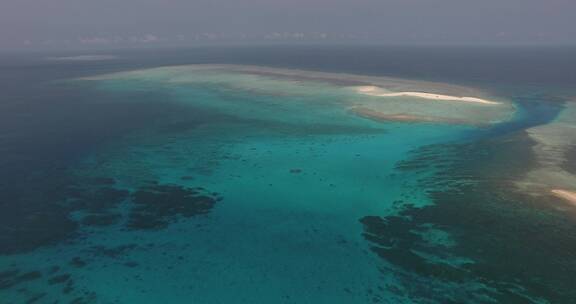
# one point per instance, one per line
(376, 91)
(569, 196)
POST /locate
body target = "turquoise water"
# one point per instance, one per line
(288, 179)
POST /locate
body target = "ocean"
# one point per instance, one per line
(285, 174)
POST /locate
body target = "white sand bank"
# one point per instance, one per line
(376, 91)
(570, 196)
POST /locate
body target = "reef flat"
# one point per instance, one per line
(348, 90)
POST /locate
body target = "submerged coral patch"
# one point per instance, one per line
(78, 262)
(13, 277)
(112, 252)
(59, 279)
(157, 205)
(100, 219)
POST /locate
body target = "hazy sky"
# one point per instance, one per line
(97, 22)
